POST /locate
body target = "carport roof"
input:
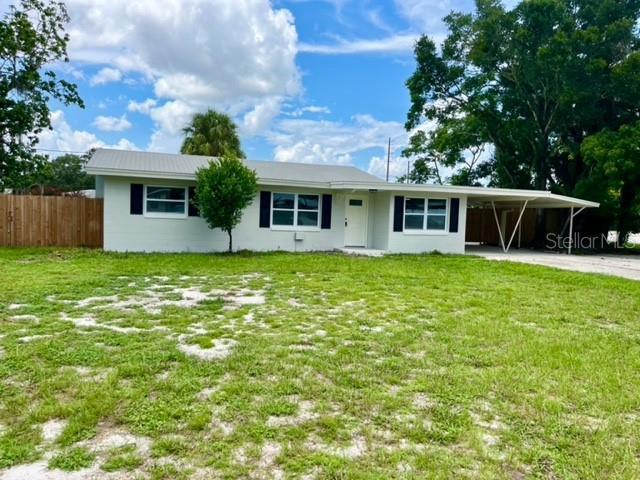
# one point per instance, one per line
(480, 196)
(137, 164)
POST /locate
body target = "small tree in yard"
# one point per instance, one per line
(225, 188)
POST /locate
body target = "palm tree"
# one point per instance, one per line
(212, 134)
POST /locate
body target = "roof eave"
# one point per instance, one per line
(118, 172)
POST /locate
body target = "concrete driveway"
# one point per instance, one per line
(626, 266)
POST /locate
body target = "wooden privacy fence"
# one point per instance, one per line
(33, 221)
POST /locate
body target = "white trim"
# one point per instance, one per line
(295, 227)
(425, 214)
(161, 214)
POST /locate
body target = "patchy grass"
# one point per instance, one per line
(123, 458)
(315, 366)
(72, 459)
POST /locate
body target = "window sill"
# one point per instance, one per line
(166, 216)
(426, 232)
(284, 228)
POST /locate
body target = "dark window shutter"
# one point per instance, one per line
(326, 211)
(193, 206)
(135, 199)
(454, 209)
(265, 209)
(398, 213)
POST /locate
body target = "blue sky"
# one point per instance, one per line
(309, 81)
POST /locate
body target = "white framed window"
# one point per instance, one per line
(299, 211)
(426, 215)
(163, 201)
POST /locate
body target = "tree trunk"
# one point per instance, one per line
(627, 195)
(540, 179)
(230, 241)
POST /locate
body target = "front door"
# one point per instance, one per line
(355, 221)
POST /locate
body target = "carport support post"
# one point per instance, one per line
(570, 231)
(571, 228)
(517, 226)
(495, 214)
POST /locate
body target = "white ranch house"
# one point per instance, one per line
(299, 207)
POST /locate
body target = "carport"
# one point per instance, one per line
(518, 201)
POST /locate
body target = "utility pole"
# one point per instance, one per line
(388, 158)
(408, 170)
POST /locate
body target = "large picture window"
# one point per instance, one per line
(295, 210)
(425, 214)
(165, 201)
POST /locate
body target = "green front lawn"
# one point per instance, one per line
(315, 366)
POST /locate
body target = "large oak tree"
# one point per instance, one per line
(533, 83)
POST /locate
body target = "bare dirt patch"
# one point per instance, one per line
(356, 449)
(52, 429)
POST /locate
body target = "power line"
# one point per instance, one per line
(58, 151)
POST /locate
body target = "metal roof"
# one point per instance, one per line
(176, 166)
(479, 196)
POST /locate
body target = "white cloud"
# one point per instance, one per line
(375, 18)
(314, 109)
(378, 167)
(225, 54)
(64, 138)
(106, 75)
(427, 14)
(308, 152)
(112, 124)
(142, 107)
(261, 116)
(170, 118)
(322, 141)
(394, 43)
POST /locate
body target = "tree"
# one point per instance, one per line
(66, 174)
(224, 189)
(31, 38)
(532, 82)
(455, 142)
(212, 134)
(615, 159)
(427, 160)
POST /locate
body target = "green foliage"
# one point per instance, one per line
(31, 38)
(225, 188)
(211, 134)
(168, 446)
(72, 459)
(65, 174)
(615, 161)
(527, 86)
(18, 446)
(123, 458)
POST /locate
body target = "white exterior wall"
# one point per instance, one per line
(99, 187)
(381, 226)
(126, 232)
(445, 242)
(138, 233)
